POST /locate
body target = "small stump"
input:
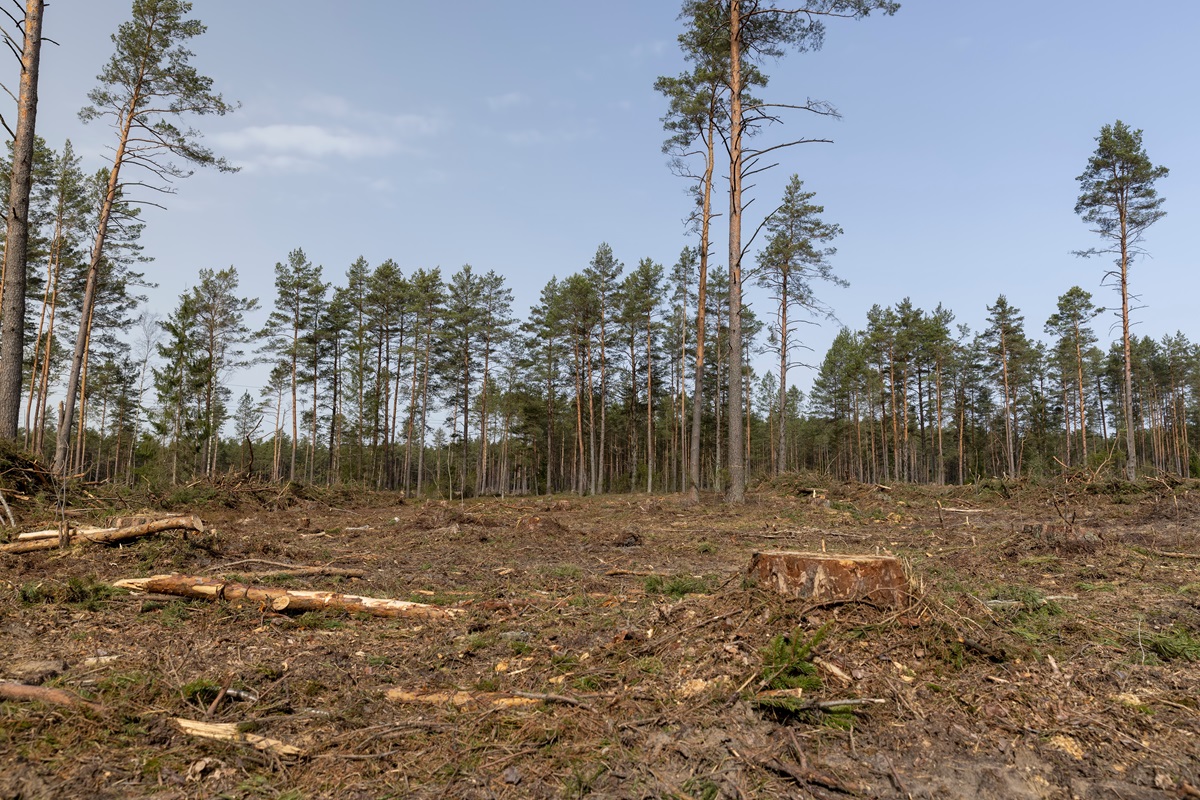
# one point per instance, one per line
(878, 580)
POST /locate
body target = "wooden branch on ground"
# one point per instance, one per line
(58, 697)
(305, 572)
(229, 732)
(49, 540)
(282, 599)
(462, 699)
(285, 570)
(1146, 551)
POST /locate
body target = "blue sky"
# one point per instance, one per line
(517, 136)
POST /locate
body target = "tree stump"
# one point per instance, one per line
(822, 578)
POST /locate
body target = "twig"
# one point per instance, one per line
(220, 696)
(553, 698)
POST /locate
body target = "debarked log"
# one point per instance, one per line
(52, 539)
(827, 578)
(282, 599)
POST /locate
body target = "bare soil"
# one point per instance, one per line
(1051, 650)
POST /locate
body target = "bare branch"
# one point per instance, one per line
(820, 107)
(790, 144)
(4, 122)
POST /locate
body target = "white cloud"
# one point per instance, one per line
(345, 133)
(508, 100)
(311, 141)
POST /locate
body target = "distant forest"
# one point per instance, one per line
(622, 377)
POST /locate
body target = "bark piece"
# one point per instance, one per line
(282, 599)
(104, 535)
(229, 732)
(822, 578)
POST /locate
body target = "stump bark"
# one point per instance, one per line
(822, 578)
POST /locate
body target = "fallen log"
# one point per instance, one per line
(58, 697)
(49, 540)
(279, 599)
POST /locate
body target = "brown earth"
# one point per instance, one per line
(1052, 650)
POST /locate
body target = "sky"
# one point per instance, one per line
(517, 136)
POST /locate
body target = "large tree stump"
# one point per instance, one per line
(821, 578)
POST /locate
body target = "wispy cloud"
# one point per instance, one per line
(344, 133)
(311, 141)
(530, 137)
(507, 100)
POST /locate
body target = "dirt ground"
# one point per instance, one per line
(613, 647)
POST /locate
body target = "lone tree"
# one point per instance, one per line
(758, 30)
(12, 334)
(1117, 196)
(146, 87)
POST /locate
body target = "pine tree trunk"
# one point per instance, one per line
(701, 299)
(736, 454)
(12, 313)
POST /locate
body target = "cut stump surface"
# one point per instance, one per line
(824, 578)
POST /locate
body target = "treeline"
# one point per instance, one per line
(430, 384)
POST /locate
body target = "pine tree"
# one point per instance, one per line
(1117, 196)
(147, 85)
(795, 256)
(299, 290)
(1070, 325)
(1009, 350)
(221, 316)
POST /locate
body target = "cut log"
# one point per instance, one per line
(58, 697)
(282, 599)
(104, 535)
(825, 578)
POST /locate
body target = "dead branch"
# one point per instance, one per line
(286, 570)
(553, 698)
(1146, 551)
(229, 732)
(102, 535)
(276, 599)
(58, 697)
(305, 572)
(460, 699)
